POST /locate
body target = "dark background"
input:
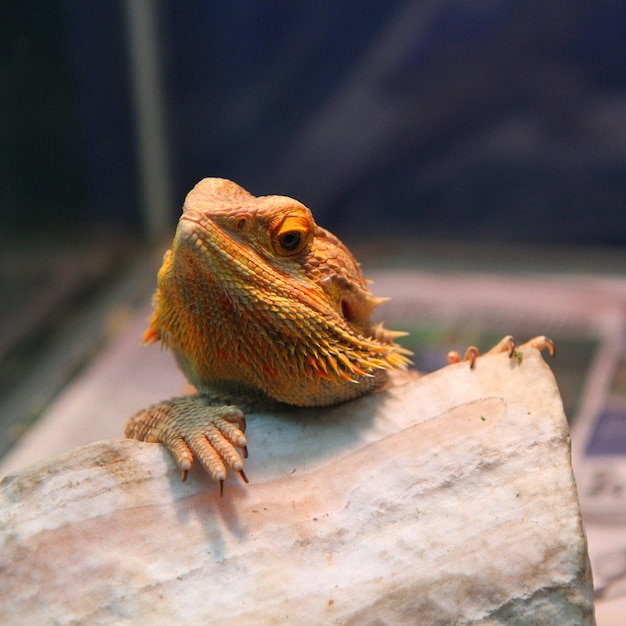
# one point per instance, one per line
(489, 121)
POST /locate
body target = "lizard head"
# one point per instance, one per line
(254, 291)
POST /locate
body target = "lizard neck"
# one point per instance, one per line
(296, 356)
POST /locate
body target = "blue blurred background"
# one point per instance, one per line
(487, 121)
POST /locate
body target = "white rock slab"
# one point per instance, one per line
(447, 499)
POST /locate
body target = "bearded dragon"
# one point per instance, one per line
(259, 306)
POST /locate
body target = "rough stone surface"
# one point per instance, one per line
(447, 499)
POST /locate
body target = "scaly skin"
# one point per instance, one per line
(259, 304)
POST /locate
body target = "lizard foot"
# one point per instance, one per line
(187, 427)
(506, 344)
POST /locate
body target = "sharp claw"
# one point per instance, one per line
(471, 355)
(512, 346)
(244, 451)
(221, 488)
(183, 475)
(542, 343)
(243, 476)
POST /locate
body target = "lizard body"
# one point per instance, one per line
(258, 304)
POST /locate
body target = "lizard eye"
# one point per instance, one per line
(292, 235)
(290, 241)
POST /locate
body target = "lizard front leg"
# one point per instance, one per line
(189, 426)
